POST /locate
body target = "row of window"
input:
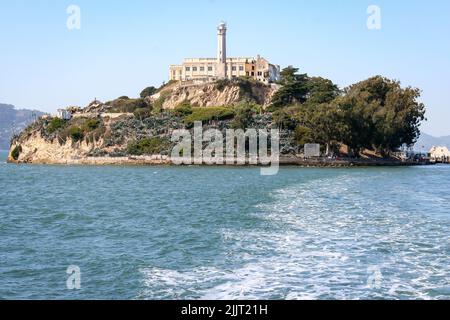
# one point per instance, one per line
(202, 69)
(259, 73)
(194, 69)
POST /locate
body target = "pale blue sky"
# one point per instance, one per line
(124, 46)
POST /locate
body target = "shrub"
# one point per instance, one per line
(222, 83)
(76, 133)
(147, 92)
(149, 146)
(158, 105)
(208, 114)
(16, 152)
(127, 105)
(91, 125)
(143, 113)
(243, 115)
(124, 98)
(182, 110)
(54, 125)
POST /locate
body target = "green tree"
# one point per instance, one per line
(294, 89)
(149, 91)
(381, 115)
(319, 123)
(321, 90)
(286, 118)
(303, 135)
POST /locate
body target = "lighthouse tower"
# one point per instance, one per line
(222, 51)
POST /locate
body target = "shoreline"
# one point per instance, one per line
(166, 161)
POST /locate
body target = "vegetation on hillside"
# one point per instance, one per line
(246, 86)
(208, 114)
(126, 105)
(376, 114)
(148, 146)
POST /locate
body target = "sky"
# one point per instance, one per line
(125, 46)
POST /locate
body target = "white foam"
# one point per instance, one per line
(314, 248)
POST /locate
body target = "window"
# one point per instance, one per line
(233, 68)
(210, 69)
(253, 74)
(259, 73)
(188, 69)
(194, 69)
(202, 68)
(241, 68)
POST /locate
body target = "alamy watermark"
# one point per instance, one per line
(241, 147)
(375, 278)
(374, 19)
(73, 282)
(74, 20)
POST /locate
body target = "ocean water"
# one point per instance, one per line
(224, 233)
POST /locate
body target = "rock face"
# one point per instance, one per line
(211, 94)
(37, 149)
(115, 133)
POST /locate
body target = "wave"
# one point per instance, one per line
(328, 238)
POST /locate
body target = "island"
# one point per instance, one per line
(364, 124)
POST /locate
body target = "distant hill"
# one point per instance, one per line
(12, 118)
(426, 142)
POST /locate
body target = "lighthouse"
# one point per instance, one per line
(222, 51)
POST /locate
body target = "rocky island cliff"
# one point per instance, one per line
(374, 117)
(138, 130)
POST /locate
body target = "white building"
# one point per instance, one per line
(223, 67)
(64, 114)
(440, 154)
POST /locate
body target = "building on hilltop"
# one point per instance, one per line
(222, 67)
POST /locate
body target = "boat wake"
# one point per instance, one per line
(321, 240)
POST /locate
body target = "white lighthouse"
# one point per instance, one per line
(222, 51)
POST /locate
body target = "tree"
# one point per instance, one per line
(321, 90)
(294, 88)
(381, 115)
(147, 92)
(320, 123)
(286, 118)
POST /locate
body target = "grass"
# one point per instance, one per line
(148, 146)
(208, 114)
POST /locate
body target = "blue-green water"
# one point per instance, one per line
(224, 233)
